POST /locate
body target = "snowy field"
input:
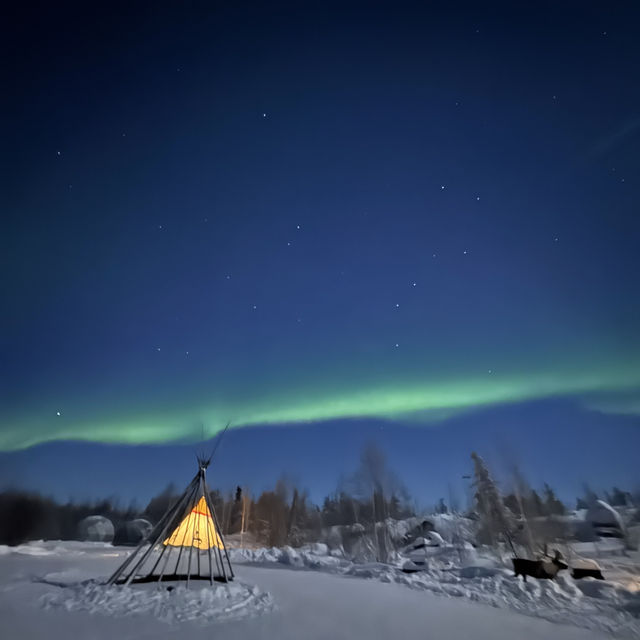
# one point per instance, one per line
(52, 590)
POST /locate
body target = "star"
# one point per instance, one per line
(555, 239)
(414, 284)
(298, 227)
(57, 413)
(157, 348)
(397, 306)
(186, 353)
(434, 255)
(397, 345)
(255, 306)
(288, 244)
(59, 153)
(264, 115)
(228, 277)
(465, 252)
(477, 197)
(159, 226)
(441, 187)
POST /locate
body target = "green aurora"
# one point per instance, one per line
(611, 387)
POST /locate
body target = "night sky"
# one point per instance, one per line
(416, 224)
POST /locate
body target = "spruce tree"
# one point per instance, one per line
(553, 506)
(537, 506)
(495, 523)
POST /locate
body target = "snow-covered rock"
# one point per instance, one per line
(605, 520)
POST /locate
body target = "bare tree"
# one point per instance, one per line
(376, 486)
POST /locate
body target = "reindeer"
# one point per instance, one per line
(540, 569)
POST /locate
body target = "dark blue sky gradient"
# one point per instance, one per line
(343, 214)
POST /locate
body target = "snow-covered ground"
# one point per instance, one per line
(52, 590)
(611, 606)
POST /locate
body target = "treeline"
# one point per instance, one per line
(275, 517)
(279, 516)
(372, 494)
(286, 515)
(29, 516)
(523, 516)
(616, 497)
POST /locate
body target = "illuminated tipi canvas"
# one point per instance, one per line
(197, 528)
(186, 544)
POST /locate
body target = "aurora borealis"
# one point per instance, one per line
(290, 216)
(413, 402)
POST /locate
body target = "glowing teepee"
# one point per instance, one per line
(196, 529)
(186, 544)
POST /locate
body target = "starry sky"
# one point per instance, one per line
(325, 223)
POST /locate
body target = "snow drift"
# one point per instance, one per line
(171, 605)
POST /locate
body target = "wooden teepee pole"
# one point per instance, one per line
(153, 536)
